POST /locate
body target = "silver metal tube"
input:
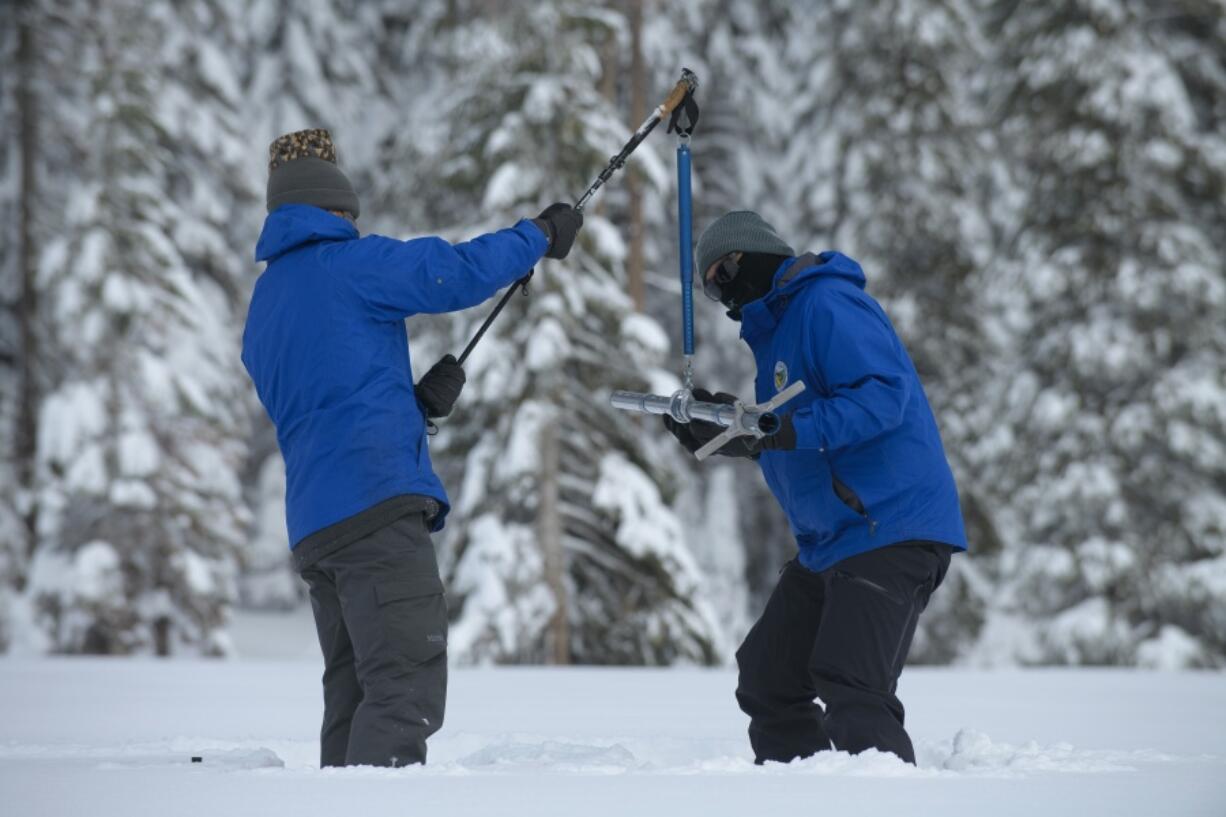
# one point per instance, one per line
(683, 408)
(640, 402)
(721, 414)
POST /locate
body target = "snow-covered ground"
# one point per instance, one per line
(115, 737)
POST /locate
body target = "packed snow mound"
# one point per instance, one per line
(976, 753)
(551, 754)
(211, 759)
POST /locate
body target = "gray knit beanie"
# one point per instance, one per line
(738, 231)
(302, 170)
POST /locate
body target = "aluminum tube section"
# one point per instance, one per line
(684, 409)
(644, 403)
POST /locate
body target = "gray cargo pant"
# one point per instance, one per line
(382, 623)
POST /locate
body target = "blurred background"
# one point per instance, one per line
(1037, 192)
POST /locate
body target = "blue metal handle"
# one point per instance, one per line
(685, 233)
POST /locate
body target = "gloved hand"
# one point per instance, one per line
(440, 387)
(698, 433)
(782, 440)
(560, 223)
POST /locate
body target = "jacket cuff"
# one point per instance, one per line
(535, 233)
(808, 434)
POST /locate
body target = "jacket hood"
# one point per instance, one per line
(793, 275)
(293, 225)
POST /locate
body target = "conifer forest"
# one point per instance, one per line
(1035, 190)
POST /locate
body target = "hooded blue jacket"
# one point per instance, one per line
(869, 469)
(326, 346)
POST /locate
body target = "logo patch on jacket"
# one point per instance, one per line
(781, 375)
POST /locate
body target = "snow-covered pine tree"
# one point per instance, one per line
(312, 66)
(1111, 457)
(564, 543)
(140, 509)
(16, 50)
(42, 44)
(738, 531)
(711, 500)
(420, 64)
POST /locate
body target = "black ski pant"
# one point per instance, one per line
(841, 635)
(382, 623)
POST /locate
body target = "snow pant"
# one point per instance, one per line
(841, 635)
(382, 623)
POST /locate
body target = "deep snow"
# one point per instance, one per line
(103, 737)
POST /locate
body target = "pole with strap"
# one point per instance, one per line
(680, 93)
(522, 285)
(684, 88)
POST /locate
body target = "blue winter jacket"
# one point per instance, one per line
(869, 469)
(325, 344)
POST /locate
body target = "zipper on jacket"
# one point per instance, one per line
(849, 498)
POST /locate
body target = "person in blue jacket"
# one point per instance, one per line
(860, 471)
(326, 346)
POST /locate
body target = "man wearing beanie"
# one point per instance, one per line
(860, 471)
(326, 346)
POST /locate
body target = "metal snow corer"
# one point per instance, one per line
(684, 88)
(738, 419)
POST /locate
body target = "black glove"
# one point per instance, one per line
(440, 387)
(782, 440)
(696, 434)
(683, 433)
(685, 116)
(560, 223)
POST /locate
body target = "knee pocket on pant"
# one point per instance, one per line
(413, 615)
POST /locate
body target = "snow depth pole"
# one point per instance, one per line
(684, 87)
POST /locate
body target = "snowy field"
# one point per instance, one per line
(100, 737)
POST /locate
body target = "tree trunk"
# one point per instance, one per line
(550, 533)
(610, 71)
(27, 300)
(638, 112)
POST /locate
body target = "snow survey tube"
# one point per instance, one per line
(738, 419)
(683, 408)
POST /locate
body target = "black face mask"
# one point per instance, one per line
(736, 284)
